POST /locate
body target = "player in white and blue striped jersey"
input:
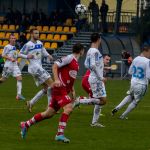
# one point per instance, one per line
(140, 71)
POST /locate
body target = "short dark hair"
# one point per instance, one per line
(145, 47)
(104, 55)
(77, 48)
(33, 29)
(94, 37)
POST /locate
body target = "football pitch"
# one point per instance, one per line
(131, 134)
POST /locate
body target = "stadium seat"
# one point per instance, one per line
(1, 51)
(11, 27)
(5, 42)
(68, 22)
(5, 27)
(54, 45)
(31, 27)
(49, 36)
(39, 28)
(7, 35)
(16, 35)
(17, 26)
(73, 29)
(2, 35)
(63, 37)
(42, 36)
(52, 29)
(56, 37)
(28, 36)
(45, 28)
(59, 29)
(47, 45)
(66, 29)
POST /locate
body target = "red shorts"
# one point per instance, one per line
(59, 99)
(86, 87)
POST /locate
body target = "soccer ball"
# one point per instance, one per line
(80, 9)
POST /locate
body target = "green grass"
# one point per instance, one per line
(132, 134)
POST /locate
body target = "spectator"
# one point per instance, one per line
(9, 18)
(103, 10)
(42, 18)
(93, 6)
(22, 40)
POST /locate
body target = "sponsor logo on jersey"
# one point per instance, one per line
(73, 73)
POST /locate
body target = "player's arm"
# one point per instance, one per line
(46, 54)
(131, 69)
(5, 55)
(148, 70)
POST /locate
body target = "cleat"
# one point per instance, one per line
(76, 103)
(102, 115)
(23, 130)
(29, 107)
(123, 118)
(114, 111)
(62, 138)
(20, 97)
(96, 124)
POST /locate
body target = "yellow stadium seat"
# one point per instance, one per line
(1, 51)
(28, 36)
(56, 37)
(11, 27)
(54, 45)
(45, 28)
(73, 29)
(17, 26)
(59, 29)
(2, 34)
(63, 37)
(39, 28)
(42, 36)
(7, 35)
(47, 45)
(66, 29)
(31, 27)
(16, 35)
(68, 22)
(49, 36)
(5, 43)
(5, 27)
(52, 29)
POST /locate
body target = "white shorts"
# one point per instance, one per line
(137, 91)
(40, 75)
(97, 87)
(11, 70)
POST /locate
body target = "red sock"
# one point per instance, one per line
(35, 119)
(62, 123)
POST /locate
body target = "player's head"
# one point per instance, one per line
(34, 34)
(106, 59)
(95, 38)
(146, 50)
(78, 48)
(12, 39)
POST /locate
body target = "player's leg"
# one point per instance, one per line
(5, 74)
(126, 100)
(2, 79)
(139, 91)
(68, 108)
(35, 119)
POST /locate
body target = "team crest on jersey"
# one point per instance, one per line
(73, 74)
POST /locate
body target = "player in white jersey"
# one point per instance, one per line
(11, 65)
(94, 62)
(41, 76)
(140, 71)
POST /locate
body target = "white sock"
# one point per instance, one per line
(19, 87)
(129, 109)
(49, 95)
(126, 100)
(37, 97)
(96, 113)
(90, 101)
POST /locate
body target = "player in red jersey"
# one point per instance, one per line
(65, 72)
(85, 83)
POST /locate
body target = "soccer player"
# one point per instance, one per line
(94, 62)
(11, 65)
(140, 71)
(86, 87)
(64, 72)
(41, 76)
